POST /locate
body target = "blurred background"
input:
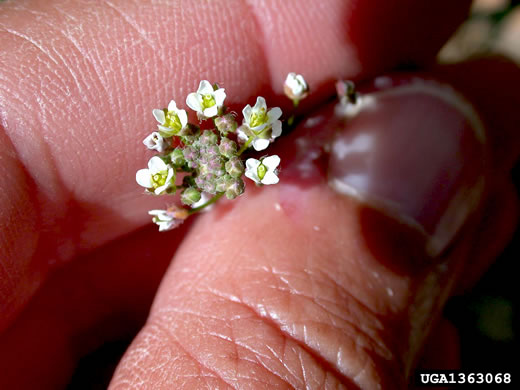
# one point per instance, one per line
(487, 317)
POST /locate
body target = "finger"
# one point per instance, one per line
(442, 352)
(320, 286)
(104, 296)
(78, 82)
(495, 232)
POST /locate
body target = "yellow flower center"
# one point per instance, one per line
(261, 171)
(172, 121)
(159, 179)
(258, 118)
(208, 101)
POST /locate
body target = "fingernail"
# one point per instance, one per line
(416, 152)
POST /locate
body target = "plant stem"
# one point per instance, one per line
(208, 203)
(246, 145)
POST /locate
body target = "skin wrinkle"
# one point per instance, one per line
(263, 359)
(376, 343)
(135, 26)
(273, 321)
(371, 340)
(170, 336)
(264, 321)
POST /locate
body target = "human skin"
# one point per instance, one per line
(243, 304)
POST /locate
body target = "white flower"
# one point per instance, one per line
(155, 142)
(206, 101)
(172, 120)
(295, 87)
(261, 124)
(158, 178)
(165, 219)
(263, 171)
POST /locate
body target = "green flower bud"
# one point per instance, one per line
(191, 155)
(235, 167)
(177, 158)
(189, 196)
(235, 189)
(207, 183)
(223, 182)
(208, 138)
(227, 147)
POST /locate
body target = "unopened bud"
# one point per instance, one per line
(177, 157)
(208, 138)
(211, 151)
(209, 184)
(191, 155)
(227, 147)
(295, 87)
(223, 182)
(189, 196)
(226, 124)
(235, 189)
(235, 167)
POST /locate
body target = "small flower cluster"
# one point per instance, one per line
(204, 162)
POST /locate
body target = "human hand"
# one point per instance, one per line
(320, 291)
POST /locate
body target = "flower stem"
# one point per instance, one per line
(246, 145)
(208, 203)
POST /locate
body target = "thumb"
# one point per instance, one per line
(309, 285)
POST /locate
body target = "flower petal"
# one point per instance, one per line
(162, 214)
(172, 106)
(246, 112)
(156, 164)
(252, 169)
(252, 176)
(155, 142)
(242, 135)
(150, 140)
(220, 96)
(273, 114)
(270, 178)
(260, 103)
(210, 112)
(170, 175)
(271, 162)
(159, 115)
(252, 164)
(144, 178)
(193, 102)
(205, 87)
(166, 131)
(169, 225)
(183, 117)
(161, 189)
(260, 144)
(277, 129)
